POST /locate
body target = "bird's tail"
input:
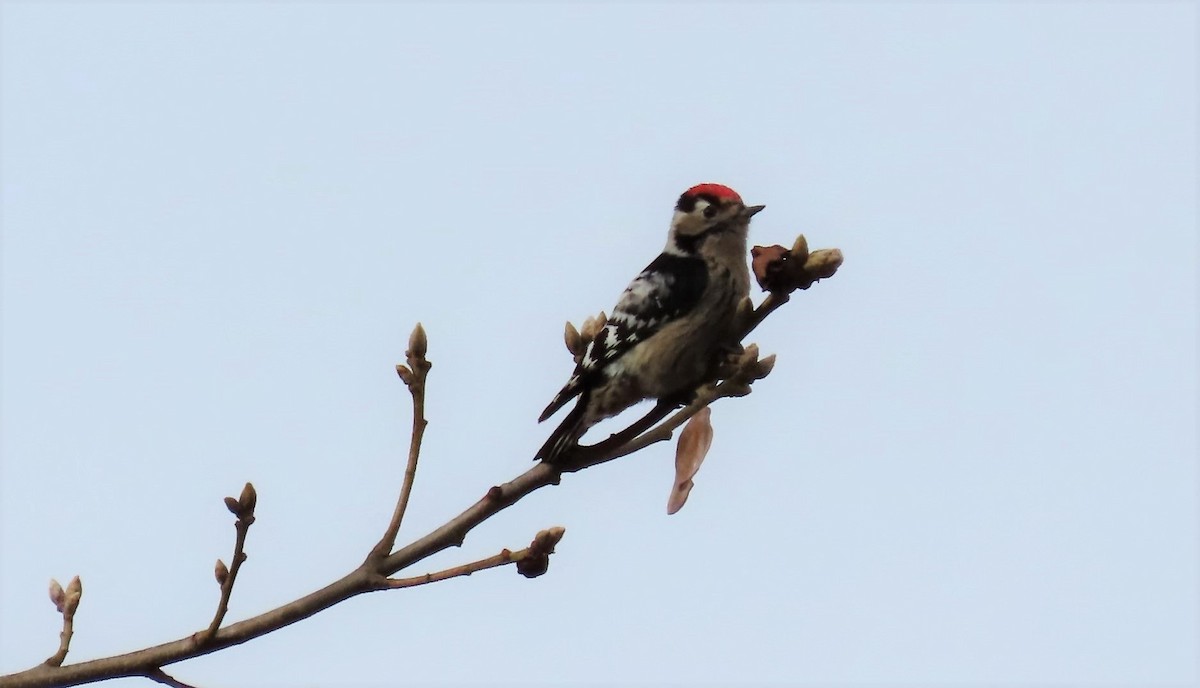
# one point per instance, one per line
(566, 435)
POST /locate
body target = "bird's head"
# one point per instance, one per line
(708, 210)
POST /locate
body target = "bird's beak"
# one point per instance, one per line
(751, 211)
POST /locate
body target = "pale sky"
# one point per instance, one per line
(974, 464)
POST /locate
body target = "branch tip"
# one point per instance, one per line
(58, 596)
(248, 500)
(66, 602)
(413, 375)
(226, 576)
(73, 594)
(418, 342)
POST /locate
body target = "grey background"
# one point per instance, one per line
(975, 462)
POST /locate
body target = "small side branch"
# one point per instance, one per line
(243, 508)
(531, 562)
(67, 602)
(160, 676)
(414, 376)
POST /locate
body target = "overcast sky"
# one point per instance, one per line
(975, 462)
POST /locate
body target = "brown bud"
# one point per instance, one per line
(749, 356)
(533, 565)
(71, 604)
(823, 263)
(544, 541)
(221, 572)
(248, 499)
(799, 250)
(572, 339)
(418, 343)
(74, 592)
(234, 506)
(405, 373)
(57, 595)
(764, 367)
(591, 327)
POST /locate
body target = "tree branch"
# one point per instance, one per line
(373, 573)
(66, 602)
(414, 377)
(243, 508)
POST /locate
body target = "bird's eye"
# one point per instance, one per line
(710, 211)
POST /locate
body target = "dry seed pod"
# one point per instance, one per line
(694, 443)
(679, 495)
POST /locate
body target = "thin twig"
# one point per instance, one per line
(239, 556)
(243, 508)
(504, 557)
(531, 562)
(661, 433)
(64, 641)
(577, 458)
(774, 300)
(166, 679)
(414, 377)
(67, 603)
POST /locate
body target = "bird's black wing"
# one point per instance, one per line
(669, 287)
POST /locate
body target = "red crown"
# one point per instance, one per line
(719, 190)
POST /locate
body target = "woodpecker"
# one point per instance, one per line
(671, 323)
